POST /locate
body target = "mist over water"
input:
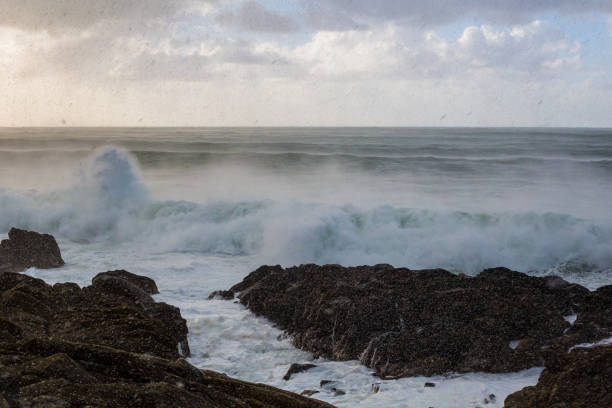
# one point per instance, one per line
(463, 199)
(198, 209)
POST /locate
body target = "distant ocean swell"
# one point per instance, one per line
(294, 155)
(110, 203)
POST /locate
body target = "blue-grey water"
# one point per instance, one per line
(198, 209)
(460, 198)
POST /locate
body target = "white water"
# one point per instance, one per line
(226, 337)
(109, 202)
(110, 214)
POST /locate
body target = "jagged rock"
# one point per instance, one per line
(332, 386)
(27, 249)
(404, 323)
(222, 294)
(142, 282)
(297, 368)
(108, 345)
(57, 373)
(578, 379)
(598, 310)
(111, 312)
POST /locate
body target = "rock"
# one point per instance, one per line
(580, 378)
(297, 368)
(27, 249)
(111, 313)
(598, 310)
(332, 386)
(430, 384)
(51, 372)
(222, 294)
(309, 393)
(108, 345)
(142, 282)
(404, 322)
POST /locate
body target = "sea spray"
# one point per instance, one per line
(110, 202)
(220, 202)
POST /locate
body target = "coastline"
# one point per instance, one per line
(376, 386)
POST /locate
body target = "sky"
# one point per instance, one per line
(306, 63)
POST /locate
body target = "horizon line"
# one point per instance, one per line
(310, 127)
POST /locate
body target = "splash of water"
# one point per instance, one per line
(109, 202)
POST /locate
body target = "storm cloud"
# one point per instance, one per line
(307, 62)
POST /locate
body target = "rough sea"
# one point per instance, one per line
(197, 209)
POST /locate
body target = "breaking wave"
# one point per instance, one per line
(110, 203)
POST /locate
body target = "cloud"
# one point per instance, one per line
(59, 15)
(212, 60)
(431, 13)
(139, 40)
(393, 52)
(252, 16)
(332, 62)
(94, 57)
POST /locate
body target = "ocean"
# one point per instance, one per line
(197, 209)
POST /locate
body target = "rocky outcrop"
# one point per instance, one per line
(108, 345)
(145, 284)
(297, 368)
(56, 373)
(579, 379)
(27, 249)
(403, 322)
(111, 312)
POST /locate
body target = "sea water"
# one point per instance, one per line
(198, 209)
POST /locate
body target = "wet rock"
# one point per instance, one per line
(222, 294)
(580, 378)
(598, 310)
(491, 398)
(111, 312)
(51, 372)
(297, 368)
(332, 386)
(404, 322)
(108, 345)
(430, 384)
(144, 283)
(27, 249)
(309, 393)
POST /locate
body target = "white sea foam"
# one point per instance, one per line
(111, 215)
(226, 337)
(109, 203)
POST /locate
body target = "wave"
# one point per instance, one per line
(315, 152)
(110, 203)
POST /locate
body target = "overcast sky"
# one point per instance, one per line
(306, 62)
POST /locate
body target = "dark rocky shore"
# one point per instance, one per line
(111, 345)
(105, 345)
(581, 378)
(402, 322)
(27, 249)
